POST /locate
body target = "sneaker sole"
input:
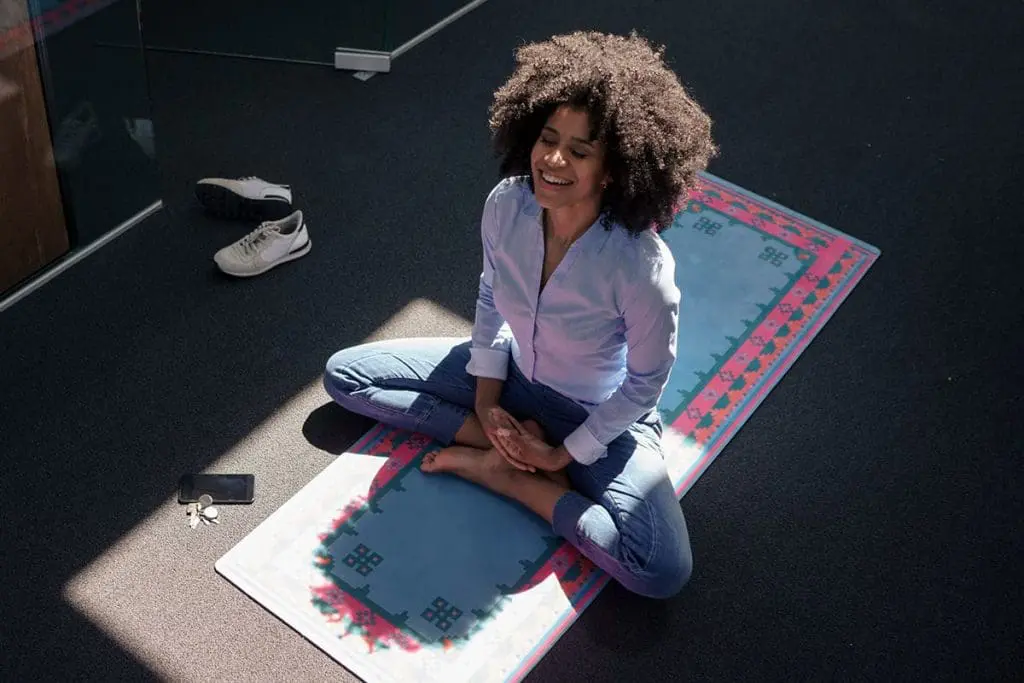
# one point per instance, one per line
(284, 259)
(224, 203)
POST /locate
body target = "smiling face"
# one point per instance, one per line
(568, 167)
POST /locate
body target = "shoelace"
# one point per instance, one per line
(261, 180)
(250, 243)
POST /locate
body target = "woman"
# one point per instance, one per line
(553, 401)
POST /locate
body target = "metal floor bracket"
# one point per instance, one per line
(350, 59)
(369, 62)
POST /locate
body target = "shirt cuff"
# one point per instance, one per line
(584, 446)
(491, 363)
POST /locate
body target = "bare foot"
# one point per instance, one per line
(490, 470)
(474, 464)
(561, 477)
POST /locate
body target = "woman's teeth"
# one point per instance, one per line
(553, 180)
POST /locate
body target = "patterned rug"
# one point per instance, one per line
(401, 576)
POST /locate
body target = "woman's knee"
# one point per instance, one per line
(666, 578)
(673, 577)
(662, 558)
(344, 374)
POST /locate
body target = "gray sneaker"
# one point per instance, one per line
(266, 247)
(249, 198)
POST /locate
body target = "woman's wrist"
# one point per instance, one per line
(562, 457)
(482, 407)
(488, 392)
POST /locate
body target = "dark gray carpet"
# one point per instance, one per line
(864, 525)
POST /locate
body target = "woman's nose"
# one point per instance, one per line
(555, 158)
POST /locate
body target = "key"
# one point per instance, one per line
(211, 515)
(194, 514)
(195, 510)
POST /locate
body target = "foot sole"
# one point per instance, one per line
(223, 203)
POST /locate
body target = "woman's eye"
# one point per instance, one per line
(578, 154)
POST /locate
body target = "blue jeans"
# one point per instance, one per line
(622, 513)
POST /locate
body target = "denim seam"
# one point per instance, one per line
(382, 408)
(378, 354)
(655, 540)
(435, 404)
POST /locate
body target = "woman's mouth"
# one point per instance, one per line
(554, 180)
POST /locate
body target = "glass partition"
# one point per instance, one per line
(408, 19)
(77, 148)
(296, 30)
(94, 72)
(369, 32)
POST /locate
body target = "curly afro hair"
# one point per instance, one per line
(657, 137)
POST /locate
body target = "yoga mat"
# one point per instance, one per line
(401, 576)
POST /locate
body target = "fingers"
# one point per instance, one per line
(500, 417)
(518, 427)
(499, 443)
(508, 449)
(517, 464)
(500, 423)
(508, 436)
(511, 450)
(509, 443)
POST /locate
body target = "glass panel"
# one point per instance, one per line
(302, 30)
(76, 139)
(409, 18)
(33, 232)
(94, 74)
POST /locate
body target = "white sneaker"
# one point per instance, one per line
(250, 198)
(269, 245)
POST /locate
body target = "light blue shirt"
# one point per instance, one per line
(603, 330)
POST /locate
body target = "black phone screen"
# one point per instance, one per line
(223, 488)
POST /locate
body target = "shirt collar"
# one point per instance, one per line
(533, 210)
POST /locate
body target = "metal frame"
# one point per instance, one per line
(369, 62)
(76, 255)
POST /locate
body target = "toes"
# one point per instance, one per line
(429, 462)
(451, 459)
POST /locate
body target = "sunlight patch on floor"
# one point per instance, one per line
(409, 322)
(155, 591)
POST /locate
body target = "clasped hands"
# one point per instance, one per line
(520, 447)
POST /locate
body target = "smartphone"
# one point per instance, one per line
(223, 488)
